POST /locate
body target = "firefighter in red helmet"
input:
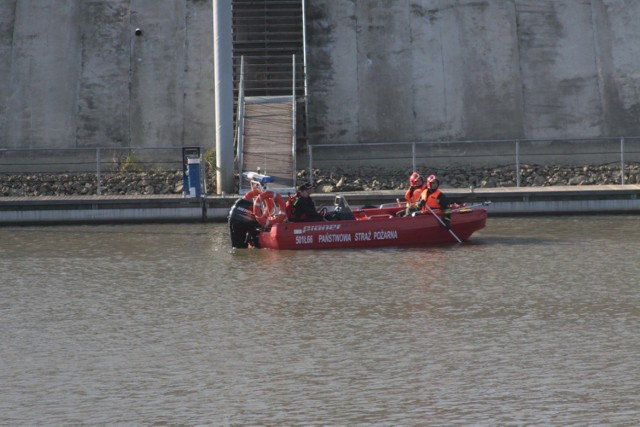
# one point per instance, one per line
(435, 200)
(414, 192)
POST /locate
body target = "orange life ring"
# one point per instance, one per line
(252, 195)
(269, 209)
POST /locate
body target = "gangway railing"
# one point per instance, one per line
(266, 136)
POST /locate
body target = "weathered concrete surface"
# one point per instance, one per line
(103, 98)
(415, 70)
(7, 13)
(74, 73)
(44, 74)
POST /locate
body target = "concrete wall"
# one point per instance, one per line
(416, 70)
(74, 74)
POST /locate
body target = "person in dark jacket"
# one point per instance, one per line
(301, 207)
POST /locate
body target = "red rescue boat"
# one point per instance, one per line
(359, 228)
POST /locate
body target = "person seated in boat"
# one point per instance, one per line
(300, 207)
(414, 193)
(436, 200)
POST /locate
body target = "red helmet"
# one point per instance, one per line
(414, 178)
(431, 179)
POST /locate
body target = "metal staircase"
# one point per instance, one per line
(269, 86)
(267, 33)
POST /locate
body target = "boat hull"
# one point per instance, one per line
(372, 228)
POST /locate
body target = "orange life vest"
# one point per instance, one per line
(412, 196)
(432, 199)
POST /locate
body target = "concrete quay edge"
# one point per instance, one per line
(505, 201)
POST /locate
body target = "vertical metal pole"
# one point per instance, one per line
(240, 124)
(622, 161)
(98, 179)
(223, 72)
(310, 163)
(304, 71)
(517, 163)
(413, 155)
(294, 129)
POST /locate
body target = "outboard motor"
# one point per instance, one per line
(243, 225)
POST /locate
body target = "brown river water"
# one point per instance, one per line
(534, 321)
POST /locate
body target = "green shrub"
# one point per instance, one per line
(129, 164)
(210, 160)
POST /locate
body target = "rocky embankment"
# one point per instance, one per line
(82, 184)
(363, 179)
(530, 176)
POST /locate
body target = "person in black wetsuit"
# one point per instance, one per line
(300, 206)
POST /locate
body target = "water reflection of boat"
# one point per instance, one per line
(353, 228)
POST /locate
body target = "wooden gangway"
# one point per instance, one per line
(268, 141)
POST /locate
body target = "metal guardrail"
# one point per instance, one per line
(621, 154)
(85, 159)
(490, 153)
(93, 160)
